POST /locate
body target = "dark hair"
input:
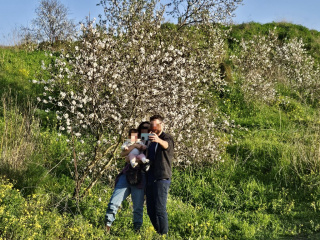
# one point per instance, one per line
(157, 116)
(133, 130)
(142, 127)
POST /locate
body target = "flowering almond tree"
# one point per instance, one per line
(300, 69)
(254, 61)
(263, 63)
(118, 77)
(202, 11)
(184, 12)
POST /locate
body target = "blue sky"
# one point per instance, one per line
(17, 13)
(302, 12)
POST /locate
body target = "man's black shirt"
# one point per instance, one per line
(161, 159)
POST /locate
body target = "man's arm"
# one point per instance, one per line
(155, 138)
(164, 144)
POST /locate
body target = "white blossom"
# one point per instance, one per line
(77, 134)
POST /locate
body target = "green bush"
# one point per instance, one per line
(30, 219)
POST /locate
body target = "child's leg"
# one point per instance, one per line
(143, 158)
(132, 159)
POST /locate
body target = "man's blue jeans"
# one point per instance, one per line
(157, 195)
(122, 190)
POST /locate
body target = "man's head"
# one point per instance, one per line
(156, 124)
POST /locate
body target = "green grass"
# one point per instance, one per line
(17, 70)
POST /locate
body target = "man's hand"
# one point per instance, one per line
(154, 138)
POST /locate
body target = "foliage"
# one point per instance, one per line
(16, 134)
(284, 31)
(183, 12)
(23, 218)
(17, 69)
(264, 62)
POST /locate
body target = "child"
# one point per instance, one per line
(135, 153)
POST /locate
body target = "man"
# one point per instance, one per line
(160, 154)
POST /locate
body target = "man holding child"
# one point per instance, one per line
(158, 179)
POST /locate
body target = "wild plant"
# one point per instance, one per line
(304, 155)
(264, 61)
(299, 69)
(17, 132)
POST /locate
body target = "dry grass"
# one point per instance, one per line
(17, 135)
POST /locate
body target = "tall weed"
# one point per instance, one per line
(17, 133)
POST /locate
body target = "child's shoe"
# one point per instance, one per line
(133, 163)
(145, 160)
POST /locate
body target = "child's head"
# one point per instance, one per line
(133, 134)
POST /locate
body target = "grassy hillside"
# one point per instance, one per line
(266, 186)
(285, 31)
